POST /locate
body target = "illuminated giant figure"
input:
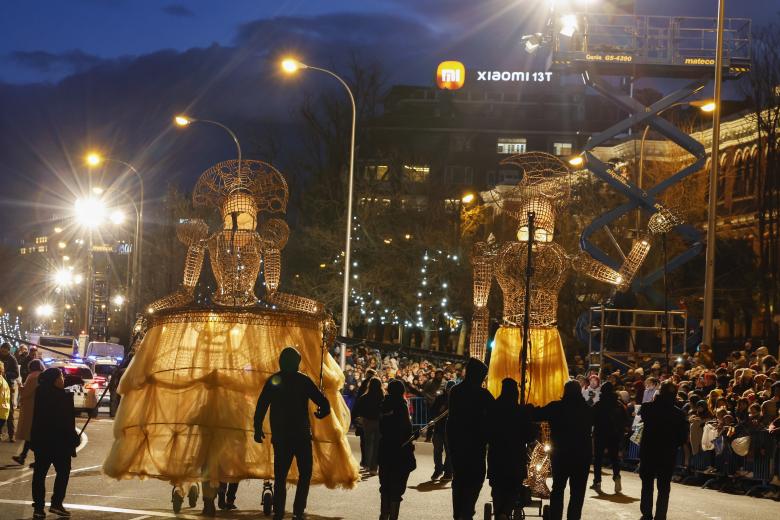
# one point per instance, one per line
(189, 394)
(543, 190)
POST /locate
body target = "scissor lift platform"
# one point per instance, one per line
(658, 46)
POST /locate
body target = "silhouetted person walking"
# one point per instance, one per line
(467, 438)
(611, 420)
(288, 393)
(441, 452)
(366, 412)
(396, 457)
(571, 421)
(665, 429)
(510, 430)
(54, 440)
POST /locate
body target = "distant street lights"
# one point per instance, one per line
(94, 159)
(291, 66)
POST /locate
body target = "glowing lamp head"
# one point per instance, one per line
(182, 121)
(89, 211)
(709, 106)
(44, 311)
(119, 300)
(576, 161)
(63, 277)
(468, 198)
(93, 159)
(291, 66)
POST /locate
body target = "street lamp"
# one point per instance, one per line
(183, 121)
(291, 66)
(709, 256)
(94, 159)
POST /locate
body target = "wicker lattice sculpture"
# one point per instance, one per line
(544, 189)
(250, 236)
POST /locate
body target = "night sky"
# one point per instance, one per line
(80, 73)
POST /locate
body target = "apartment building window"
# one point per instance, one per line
(468, 175)
(41, 240)
(509, 145)
(562, 148)
(508, 177)
(416, 173)
(376, 172)
(23, 251)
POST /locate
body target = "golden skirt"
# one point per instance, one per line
(189, 397)
(547, 368)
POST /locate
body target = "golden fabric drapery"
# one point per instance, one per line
(547, 368)
(189, 396)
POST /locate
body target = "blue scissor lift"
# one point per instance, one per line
(599, 46)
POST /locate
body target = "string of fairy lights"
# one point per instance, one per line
(10, 328)
(433, 307)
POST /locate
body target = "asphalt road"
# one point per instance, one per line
(94, 496)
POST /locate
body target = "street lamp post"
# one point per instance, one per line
(184, 121)
(94, 159)
(712, 203)
(290, 66)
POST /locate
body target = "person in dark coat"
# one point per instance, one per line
(467, 438)
(441, 457)
(288, 393)
(53, 438)
(510, 430)
(396, 453)
(571, 421)
(366, 411)
(610, 423)
(665, 430)
(370, 373)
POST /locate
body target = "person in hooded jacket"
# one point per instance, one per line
(467, 438)
(53, 438)
(510, 431)
(441, 458)
(287, 393)
(571, 421)
(396, 453)
(665, 430)
(611, 422)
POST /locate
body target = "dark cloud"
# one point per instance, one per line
(74, 60)
(179, 10)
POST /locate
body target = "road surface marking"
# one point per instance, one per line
(24, 474)
(17, 481)
(141, 517)
(105, 509)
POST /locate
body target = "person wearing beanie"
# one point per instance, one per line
(665, 429)
(287, 393)
(396, 453)
(467, 438)
(53, 438)
(611, 422)
(571, 421)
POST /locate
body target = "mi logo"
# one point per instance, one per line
(450, 75)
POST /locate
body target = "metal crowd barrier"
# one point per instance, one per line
(418, 410)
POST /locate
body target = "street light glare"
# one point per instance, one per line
(568, 25)
(290, 65)
(468, 198)
(44, 310)
(576, 161)
(89, 211)
(117, 217)
(119, 300)
(182, 121)
(63, 277)
(93, 159)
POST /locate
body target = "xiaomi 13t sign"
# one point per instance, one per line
(450, 75)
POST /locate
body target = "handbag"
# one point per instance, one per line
(636, 437)
(741, 445)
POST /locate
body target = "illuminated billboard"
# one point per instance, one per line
(451, 75)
